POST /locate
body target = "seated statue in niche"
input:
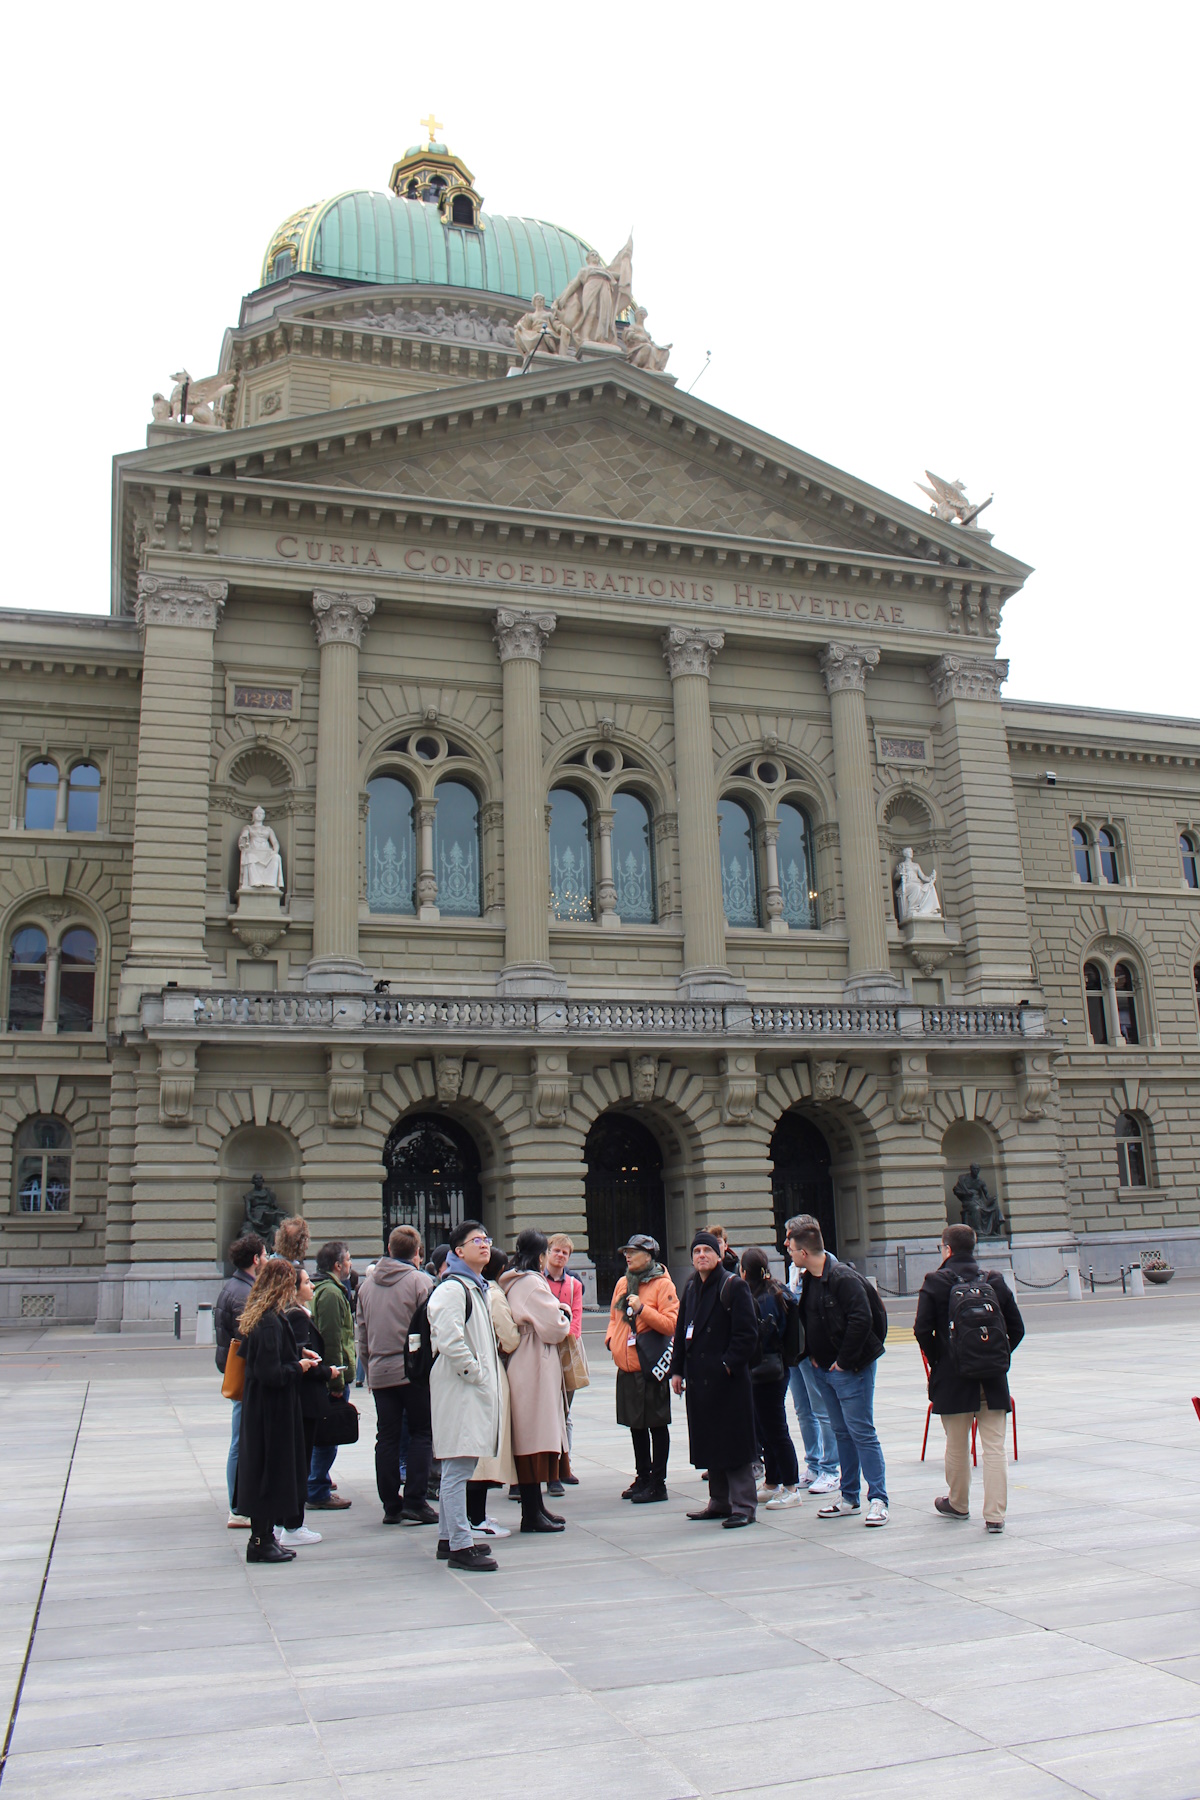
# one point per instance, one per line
(979, 1210)
(262, 864)
(264, 1215)
(916, 893)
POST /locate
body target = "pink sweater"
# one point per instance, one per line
(569, 1291)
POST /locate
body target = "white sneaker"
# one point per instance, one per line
(838, 1509)
(767, 1492)
(825, 1484)
(806, 1480)
(877, 1513)
(292, 1540)
(785, 1496)
(489, 1529)
(236, 1522)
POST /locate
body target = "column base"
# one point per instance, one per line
(709, 984)
(875, 987)
(524, 981)
(338, 974)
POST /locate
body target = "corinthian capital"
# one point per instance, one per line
(967, 678)
(690, 652)
(178, 600)
(522, 634)
(846, 666)
(341, 618)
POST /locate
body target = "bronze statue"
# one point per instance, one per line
(979, 1210)
(263, 1213)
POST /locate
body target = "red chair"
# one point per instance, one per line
(975, 1422)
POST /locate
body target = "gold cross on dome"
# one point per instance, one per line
(432, 125)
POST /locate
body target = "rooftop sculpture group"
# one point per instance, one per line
(595, 311)
(950, 501)
(192, 402)
(464, 324)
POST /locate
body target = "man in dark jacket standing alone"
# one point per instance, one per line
(843, 1347)
(715, 1338)
(247, 1254)
(960, 1396)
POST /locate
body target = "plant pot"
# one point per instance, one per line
(1159, 1277)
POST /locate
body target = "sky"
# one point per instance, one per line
(959, 238)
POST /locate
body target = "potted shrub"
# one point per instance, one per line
(1156, 1268)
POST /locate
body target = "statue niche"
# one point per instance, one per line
(263, 1213)
(979, 1209)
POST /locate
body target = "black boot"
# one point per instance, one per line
(266, 1550)
(654, 1490)
(534, 1516)
(638, 1485)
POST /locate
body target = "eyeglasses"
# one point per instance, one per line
(483, 1243)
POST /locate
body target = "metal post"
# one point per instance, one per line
(1124, 1289)
(178, 1320)
(901, 1269)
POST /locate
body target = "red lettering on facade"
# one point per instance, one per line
(280, 551)
(880, 614)
(861, 610)
(314, 551)
(410, 564)
(526, 571)
(657, 589)
(741, 593)
(708, 592)
(336, 553)
(589, 581)
(462, 565)
(608, 585)
(679, 590)
(505, 571)
(483, 568)
(370, 558)
(547, 576)
(897, 615)
(440, 565)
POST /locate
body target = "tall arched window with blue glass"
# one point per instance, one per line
(633, 860)
(739, 868)
(572, 890)
(456, 850)
(797, 867)
(391, 846)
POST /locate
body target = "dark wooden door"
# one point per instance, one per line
(624, 1194)
(801, 1182)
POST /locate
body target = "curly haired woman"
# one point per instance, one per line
(272, 1472)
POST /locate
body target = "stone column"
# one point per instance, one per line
(177, 617)
(520, 640)
(845, 668)
(606, 887)
(985, 841)
(688, 655)
(340, 621)
(774, 894)
(50, 995)
(424, 813)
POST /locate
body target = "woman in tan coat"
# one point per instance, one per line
(537, 1395)
(499, 1470)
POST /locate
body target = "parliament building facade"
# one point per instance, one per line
(588, 726)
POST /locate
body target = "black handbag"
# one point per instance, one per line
(654, 1354)
(339, 1425)
(768, 1368)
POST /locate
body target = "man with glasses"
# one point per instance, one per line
(464, 1388)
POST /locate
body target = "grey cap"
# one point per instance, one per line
(640, 1242)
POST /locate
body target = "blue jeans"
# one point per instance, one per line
(319, 1487)
(851, 1402)
(235, 1428)
(812, 1416)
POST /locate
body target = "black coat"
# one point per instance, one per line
(314, 1385)
(272, 1471)
(715, 1364)
(948, 1391)
(836, 1311)
(228, 1310)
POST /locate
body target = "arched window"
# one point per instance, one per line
(391, 847)
(41, 796)
(1093, 985)
(83, 798)
(456, 850)
(1196, 983)
(797, 867)
(633, 860)
(1081, 849)
(282, 266)
(77, 980)
(27, 979)
(43, 1151)
(1127, 1019)
(1131, 1152)
(1190, 858)
(462, 210)
(1106, 843)
(571, 893)
(739, 874)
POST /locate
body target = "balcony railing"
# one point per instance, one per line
(436, 1016)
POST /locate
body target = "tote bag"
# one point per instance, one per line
(573, 1356)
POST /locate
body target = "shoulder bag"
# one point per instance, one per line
(339, 1425)
(573, 1357)
(233, 1382)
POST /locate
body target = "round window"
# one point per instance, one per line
(768, 773)
(427, 748)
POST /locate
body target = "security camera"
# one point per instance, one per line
(1051, 778)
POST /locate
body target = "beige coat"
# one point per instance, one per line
(464, 1383)
(501, 1468)
(535, 1376)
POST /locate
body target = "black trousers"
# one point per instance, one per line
(780, 1465)
(651, 1448)
(392, 1406)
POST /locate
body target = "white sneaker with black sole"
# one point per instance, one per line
(783, 1497)
(824, 1484)
(877, 1513)
(840, 1508)
(489, 1529)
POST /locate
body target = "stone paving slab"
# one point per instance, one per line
(637, 1652)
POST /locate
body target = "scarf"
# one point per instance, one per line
(633, 1282)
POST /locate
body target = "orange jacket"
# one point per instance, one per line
(660, 1309)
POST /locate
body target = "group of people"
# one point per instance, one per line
(467, 1361)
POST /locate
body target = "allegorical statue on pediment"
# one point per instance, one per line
(640, 347)
(950, 503)
(536, 329)
(916, 893)
(591, 302)
(193, 402)
(261, 860)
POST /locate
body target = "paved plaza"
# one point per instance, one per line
(636, 1654)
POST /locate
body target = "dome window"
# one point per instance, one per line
(283, 265)
(462, 211)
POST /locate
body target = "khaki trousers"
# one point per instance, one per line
(957, 1427)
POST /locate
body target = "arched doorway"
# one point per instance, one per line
(432, 1177)
(623, 1191)
(800, 1179)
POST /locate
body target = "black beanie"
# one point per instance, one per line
(704, 1240)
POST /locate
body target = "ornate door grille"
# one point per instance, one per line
(801, 1182)
(432, 1178)
(624, 1194)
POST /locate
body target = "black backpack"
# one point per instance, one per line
(792, 1347)
(419, 1353)
(977, 1344)
(879, 1318)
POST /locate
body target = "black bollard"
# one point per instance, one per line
(178, 1320)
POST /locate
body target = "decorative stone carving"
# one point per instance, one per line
(448, 1073)
(640, 347)
(967, 678)
(1035, 1084)
(644, 1077)
(464, 324)
(550, 1088)
(589, 305)
(259, 919)
(345, 1087)
(916, 893)
(824, 1081)
(910, 1087)
(176, 1083)
(979, 1210)
(192, 401)
(739, 1087)
(688, 652)
(522, 634)
(263, 1214)
(950, 503)
(927, 943)
(180, 600)
(261, 861)
(340, 618)
(846, 666)
(537, 329)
